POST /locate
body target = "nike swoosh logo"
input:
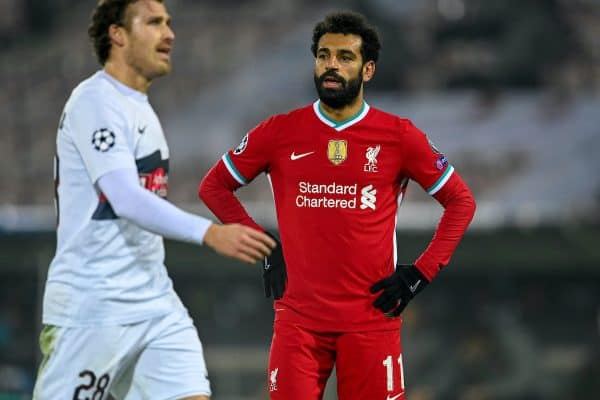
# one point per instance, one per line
(394, 397)
(294, 156)
(415, 286)
(142, 130)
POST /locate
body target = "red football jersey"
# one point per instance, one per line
(337, 187)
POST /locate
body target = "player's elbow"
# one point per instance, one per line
(460, 195)
(208, 184)
(203, 190)
(122, 209)
(212, 187)
(472, 205)
(125, 204)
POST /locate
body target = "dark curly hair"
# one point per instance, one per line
(106, 13)
(349, 22)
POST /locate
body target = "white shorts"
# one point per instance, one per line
(158, 359)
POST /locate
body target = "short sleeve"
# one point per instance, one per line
(424, 164)
(99, 130)
(253, 155)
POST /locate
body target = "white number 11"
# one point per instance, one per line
(389, 366)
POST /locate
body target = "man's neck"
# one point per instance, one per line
(344, 113)
(127, 76)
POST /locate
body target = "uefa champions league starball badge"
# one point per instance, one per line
(103, 139)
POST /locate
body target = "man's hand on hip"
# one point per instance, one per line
(274, 271)
(398, 289)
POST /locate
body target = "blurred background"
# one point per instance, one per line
(509, 90)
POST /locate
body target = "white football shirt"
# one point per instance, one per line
(106, 270)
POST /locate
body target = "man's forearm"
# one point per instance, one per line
(459, 208)
(217, 192)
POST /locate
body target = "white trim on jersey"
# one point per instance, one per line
(271, 186)
(441, 181)
(233, 170)
(403, 185)
(339, 126)
(396, 239)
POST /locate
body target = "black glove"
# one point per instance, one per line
(398, 289)
(274, 273)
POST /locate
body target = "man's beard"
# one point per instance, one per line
(341, 97)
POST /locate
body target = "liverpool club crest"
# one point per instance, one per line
(371, 155)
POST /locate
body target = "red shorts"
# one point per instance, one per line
(368, 364)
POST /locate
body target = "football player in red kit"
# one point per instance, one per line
(339, 169)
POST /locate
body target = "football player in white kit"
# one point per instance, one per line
(112, 321)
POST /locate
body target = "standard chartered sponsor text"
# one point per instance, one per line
(307, 200)
(324, 202)
(332, 188)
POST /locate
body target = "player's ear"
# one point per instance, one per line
(368, 70)
(117, 35)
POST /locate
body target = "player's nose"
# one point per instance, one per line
(332, 63)
(168, 34)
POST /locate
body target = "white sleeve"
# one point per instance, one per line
(101, 133)
(150, 212)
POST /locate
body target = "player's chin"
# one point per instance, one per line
(332, 91)
(162, 68)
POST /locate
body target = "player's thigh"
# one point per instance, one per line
(82, 362)
(369, 366)
(300, 362)
(171, 365)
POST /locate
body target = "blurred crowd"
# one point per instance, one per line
(43, 62)
(441, 46)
